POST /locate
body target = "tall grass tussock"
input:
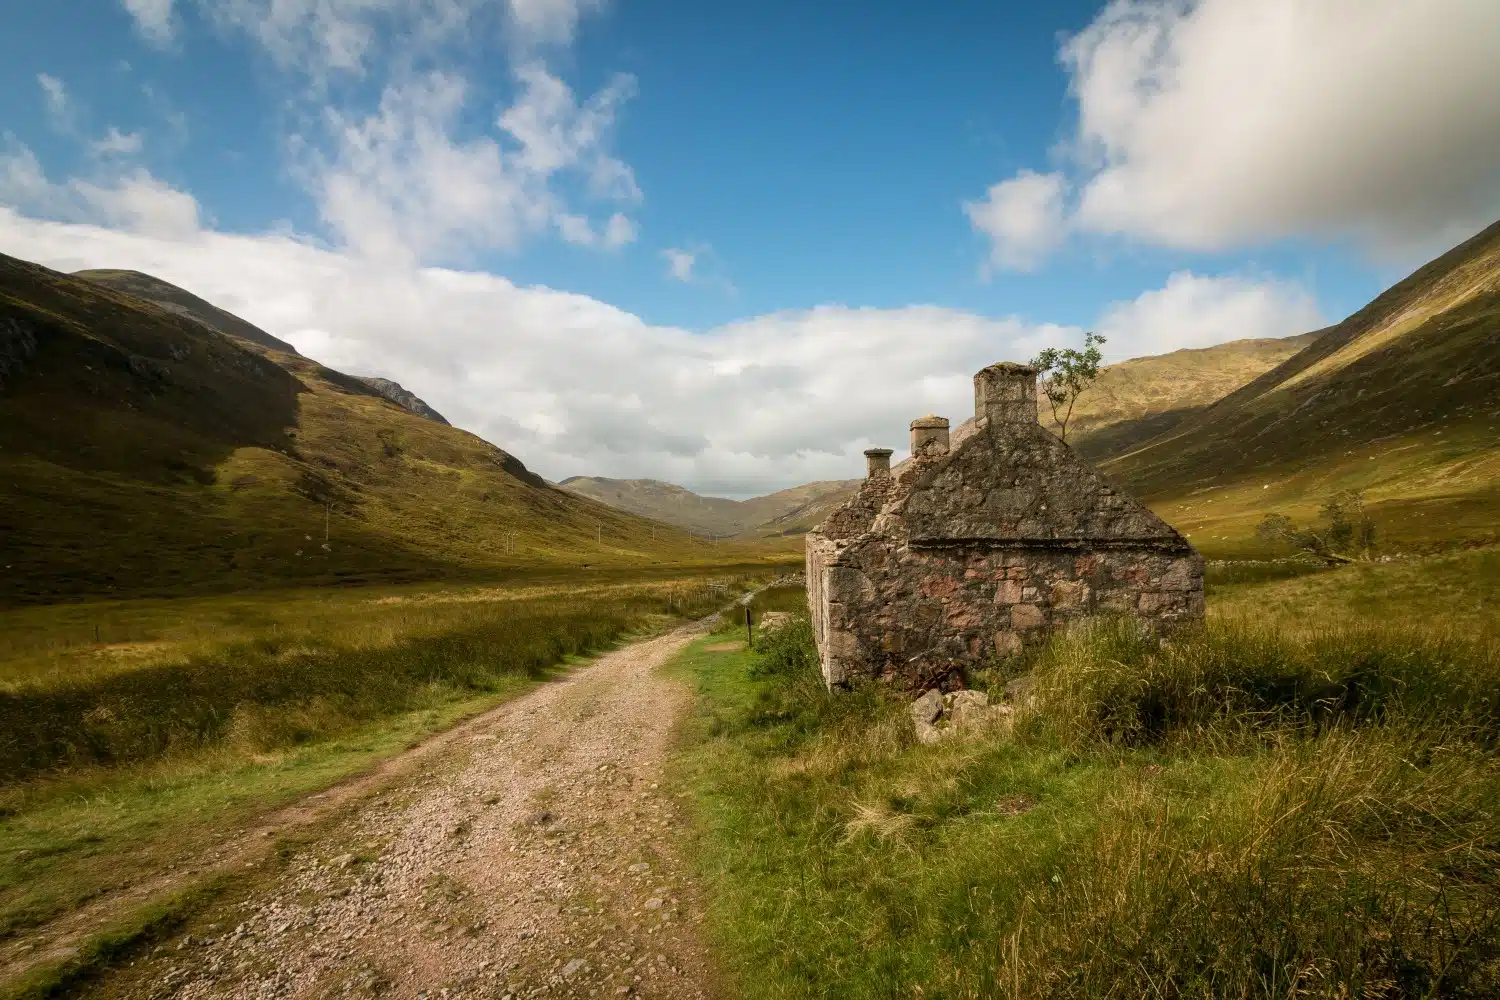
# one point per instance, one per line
(1233, 812)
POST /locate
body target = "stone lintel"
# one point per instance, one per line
(1164, 544)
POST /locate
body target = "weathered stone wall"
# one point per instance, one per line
(916, 617)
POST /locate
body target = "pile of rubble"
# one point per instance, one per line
(938, 716)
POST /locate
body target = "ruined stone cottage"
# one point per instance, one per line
(980, 546)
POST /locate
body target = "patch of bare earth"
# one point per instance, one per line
(532, 857)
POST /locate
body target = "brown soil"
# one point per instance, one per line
(528, 852)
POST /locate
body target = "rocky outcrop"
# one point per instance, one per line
(17, 348)
(403, 398)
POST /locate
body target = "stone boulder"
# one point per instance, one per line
(937, 716)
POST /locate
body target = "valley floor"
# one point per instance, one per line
(684, 818)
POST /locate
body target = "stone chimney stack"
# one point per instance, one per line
(1005, 393)
(929, 437)
(878, 463)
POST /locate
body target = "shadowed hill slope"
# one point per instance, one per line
(1402, 400)
(143, 453)
(184, 303)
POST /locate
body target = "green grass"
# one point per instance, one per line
(1457, 592)
(116, 768)
(1245, 812)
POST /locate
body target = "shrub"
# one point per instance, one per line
(787, 650)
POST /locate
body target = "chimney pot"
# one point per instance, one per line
(877, 462)
(929, 436)
(1005, 393)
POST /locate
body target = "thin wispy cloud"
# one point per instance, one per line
(680, 263)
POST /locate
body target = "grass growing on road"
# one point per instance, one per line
(125, 758)
(1244, 813)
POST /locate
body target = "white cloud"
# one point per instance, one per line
(556, 133)
(1022, 217)
(153, 19)
(132, 200)
(142, 204)
(575, 229)
(316, 37)
(55, 93)
(546, 22)
(420, 174)
(573, 385)
(24, 183)
(619, 231)
(1198, 311)
(1206, 124)
(402, 183)
(680, 263)
(116, 143)
(326, 39)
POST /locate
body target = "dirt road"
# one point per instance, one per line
(530, 856)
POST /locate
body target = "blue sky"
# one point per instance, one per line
(634, 238)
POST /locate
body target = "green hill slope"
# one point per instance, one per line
(1136, 400)
(1402, 400)
(143, 453)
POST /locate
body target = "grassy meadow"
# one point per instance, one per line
(137, 752)
(1299, 799)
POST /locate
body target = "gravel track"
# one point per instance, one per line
(530, 854)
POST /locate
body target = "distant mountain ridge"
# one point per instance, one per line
(706, 516)
(1131, 402)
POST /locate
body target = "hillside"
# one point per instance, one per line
(1401, 399)
(1136, 400)
(705, 516)
(144, 453)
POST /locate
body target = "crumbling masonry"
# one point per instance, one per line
(981, 548)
